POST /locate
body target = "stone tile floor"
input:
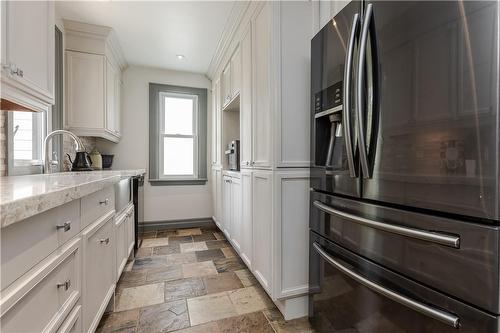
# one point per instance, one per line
(192, 281)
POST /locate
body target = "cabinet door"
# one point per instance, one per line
(236, 72)
(85, 79)
(246, 99)
(226, 85)
(213, 178)
(98, 271)
(121, 244)
(130, 231)
(236, 227)
(246, 217)
(118, 103)
(262, 227)
(226, 206)
(261, 111)
(28, 46)
(218, 186)
(215, 123)
(110, 96)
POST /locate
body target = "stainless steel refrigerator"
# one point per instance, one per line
(405, 151)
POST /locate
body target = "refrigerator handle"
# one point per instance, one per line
(432, 312)
(346, 108)
(360, 105)
(428, 236)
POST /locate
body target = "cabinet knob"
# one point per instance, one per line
(66, 284)
(66, 226)
(104, 202)
(104, 241)
(19, 72)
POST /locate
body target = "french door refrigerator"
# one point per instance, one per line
(405, 151)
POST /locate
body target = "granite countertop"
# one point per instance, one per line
(25, 196)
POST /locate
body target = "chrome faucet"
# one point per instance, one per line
(46, 160)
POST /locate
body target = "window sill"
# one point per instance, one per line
(178, 182)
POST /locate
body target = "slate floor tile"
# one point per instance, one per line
(153, 242)
(181, 258)
(137, 297)
(217, 244)
(184, 288)
(246, 277)
(118, 321)
(252, 323)
(207, 236)
(147, 234)
(247, 300)
(144, 252)
(131, 279)
(166, 317)
(229, 252)
(169, 273)
(229, 264)
(210, 327)
(180, 239)
(198, 269)
(150, 262)
(219, 235)
(209, 308)
(222, 282)
(164, 250)
(166, 233)
(192, 247)
(209, 255)
(189, 232)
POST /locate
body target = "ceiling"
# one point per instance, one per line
(152, 33)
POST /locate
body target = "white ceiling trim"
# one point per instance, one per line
(235, 17)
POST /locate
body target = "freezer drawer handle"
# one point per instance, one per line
(442, 316)
(434, 237)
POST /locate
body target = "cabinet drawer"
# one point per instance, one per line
(40, 300)
(73, 323)
(99, 270)
(97, 205)
(26, 243)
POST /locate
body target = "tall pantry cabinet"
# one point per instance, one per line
(273, 40)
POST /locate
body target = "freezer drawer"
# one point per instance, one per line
(445, 254)
(348, 292)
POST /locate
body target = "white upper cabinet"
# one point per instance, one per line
(216, 124)
(85, 91)
(235, 72)
(28, 53)
(94, 62)
(246, 99)
(262, 145)
(231, 79)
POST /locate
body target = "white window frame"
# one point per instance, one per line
(162, 135)
(25, 167)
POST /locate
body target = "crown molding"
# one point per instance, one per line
(233, 22)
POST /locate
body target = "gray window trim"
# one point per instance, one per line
(154, 130)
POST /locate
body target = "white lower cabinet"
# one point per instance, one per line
(59, 268)
(246, 218)
(217, 189)
(40, 300)
(121, 243)
(262, 211)
(226, 206)
(235, 215)
(98, 270)
(73, 323)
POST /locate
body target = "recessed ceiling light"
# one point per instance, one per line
(180, 56)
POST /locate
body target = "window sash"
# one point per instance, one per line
(27, 166)
(162, 135)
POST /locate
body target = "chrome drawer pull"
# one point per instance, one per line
(66, 284)
(104, 202)
(432, 312)
(104, 241)
(66, 226)
(429, 236)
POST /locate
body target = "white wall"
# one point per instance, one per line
(161, 203)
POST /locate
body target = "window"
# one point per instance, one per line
(25, 140)
(177, 135)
